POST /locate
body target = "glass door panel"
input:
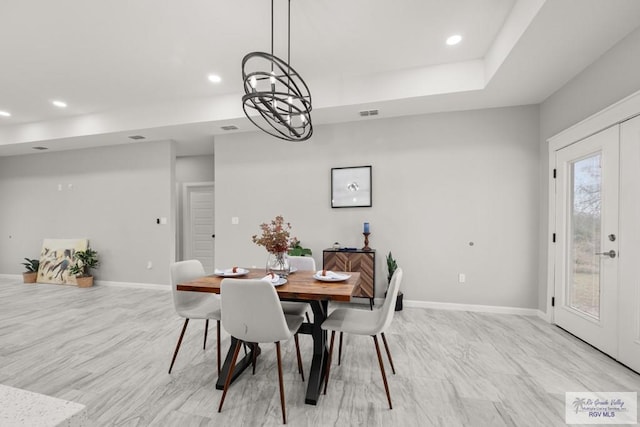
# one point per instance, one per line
(585, 228)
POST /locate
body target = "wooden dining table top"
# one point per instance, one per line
(301, 285)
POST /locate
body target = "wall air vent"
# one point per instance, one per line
(229, 127)
(367, 113)
(40, 148)
(136, 137)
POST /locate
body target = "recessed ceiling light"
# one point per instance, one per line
(455, 39)
(5, 114)
(59, 104)
(214, 78)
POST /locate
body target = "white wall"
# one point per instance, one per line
(612, 77)
(194, 169)
(439, 182)
(117, 194)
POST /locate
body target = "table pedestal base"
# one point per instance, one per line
(318, 362)
(241, 365)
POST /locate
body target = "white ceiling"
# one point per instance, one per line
(140, 67)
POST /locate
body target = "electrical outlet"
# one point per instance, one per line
(235, 220)
(462, 278)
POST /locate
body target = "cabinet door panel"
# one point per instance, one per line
(362, 262)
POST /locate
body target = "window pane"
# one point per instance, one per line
(586, 218)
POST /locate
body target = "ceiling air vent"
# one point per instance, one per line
(40, 148)
(367, 113)
(229, 127)
(137, 137)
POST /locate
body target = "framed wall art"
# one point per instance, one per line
(351, 187)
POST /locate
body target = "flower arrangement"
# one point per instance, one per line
(276, 237)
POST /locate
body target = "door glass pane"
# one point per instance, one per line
(586, 219)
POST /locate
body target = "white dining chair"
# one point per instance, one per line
(302, 263)
(251, 313)
(193, 305)
(365, 322)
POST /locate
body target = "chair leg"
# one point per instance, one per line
(284, 412)
(307, 314)
(229, 374)
(384, 376)
(206, 329)
(326, 375)
(300, 370)
(386, 346)
(175, 353)
(218, 351)
(254, 355)
(340, 350)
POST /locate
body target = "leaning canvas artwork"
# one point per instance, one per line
(56, 258)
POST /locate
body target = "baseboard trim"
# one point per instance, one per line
(544, 316)
(473, 307)
(378, 301)
(152, 286)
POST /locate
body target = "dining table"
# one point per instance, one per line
(300, 286)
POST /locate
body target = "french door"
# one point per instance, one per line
(586, 264)
(629, 306)
(597, 258)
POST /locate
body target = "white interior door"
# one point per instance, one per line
(586, 264)
(199, 224)
(629, 307)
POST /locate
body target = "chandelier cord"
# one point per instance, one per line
(289, 51)
(288, 33)
(272, 33)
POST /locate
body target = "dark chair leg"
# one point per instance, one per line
(206, 329)
(228, 380)
(300, 370)
(326, 375)
(284, 412)
(308, 320)
(340, 350)
(175, 353)
(254, 356)
(384, 376)
(218, 336)
(386, 346)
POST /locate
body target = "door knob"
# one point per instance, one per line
(610, 254)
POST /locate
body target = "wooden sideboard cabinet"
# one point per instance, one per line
(361, 261)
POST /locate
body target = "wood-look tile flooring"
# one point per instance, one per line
(110, 348)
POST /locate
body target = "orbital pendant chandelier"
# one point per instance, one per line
(276, 92)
